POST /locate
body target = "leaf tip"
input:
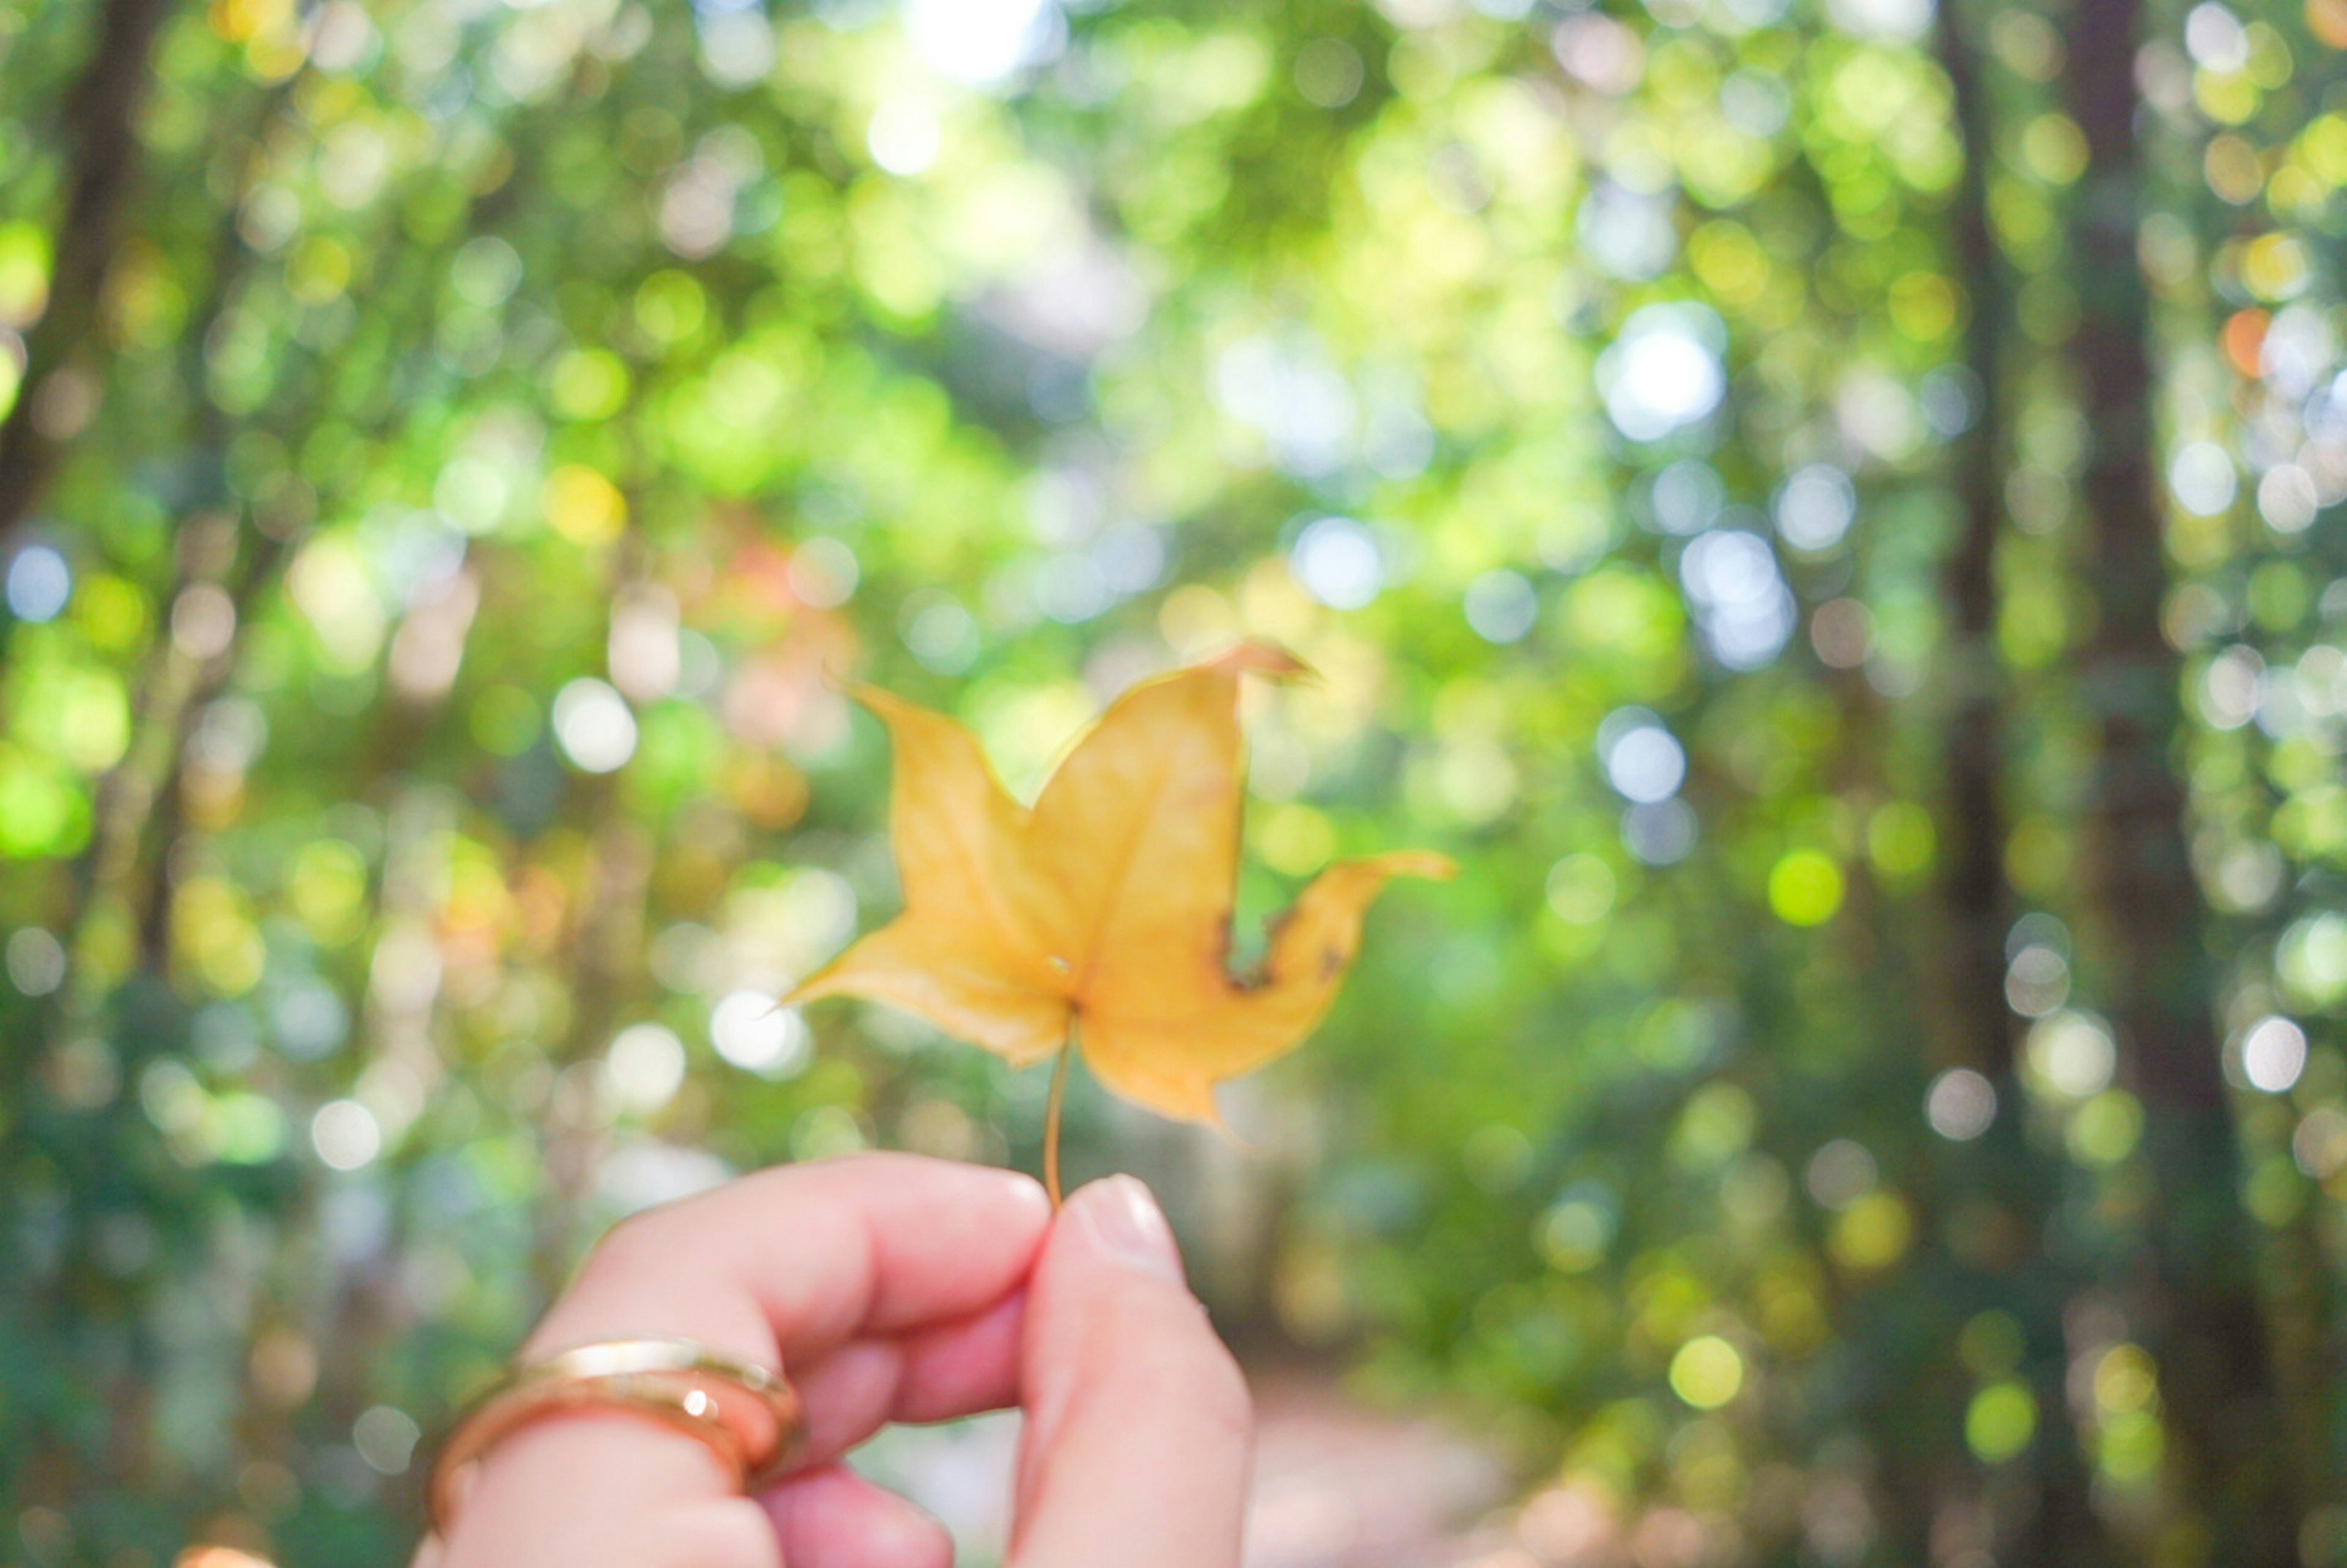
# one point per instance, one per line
(827, 981)
(877, 700)
(1200, 1109)
(1214, 1121)
(1260, 656)
(1427, 864)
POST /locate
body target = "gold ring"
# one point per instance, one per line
(746, 1415)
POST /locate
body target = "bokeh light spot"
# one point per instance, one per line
(753, 1034)
(644, 1067)
(1840, 1173)
(39, 583)
(1873, 1233)
(2106, 1129)
(35, 961)
(1960, 1105)
(386, 1439)
(2273, 1055)
(2072, 1053)
(1328, 73)
(1643, 761)
(1581, 889)
(1663, 371)
(1337, 561)
(582, 506)
(346, 1134)
(594, 726)
(1707, 1372)
(1814, 507)
(1805, 888)
(1502, 606)
(2000, 1422)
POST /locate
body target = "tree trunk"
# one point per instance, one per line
(2198, 1312)
(101, 129)
(2054, 1522)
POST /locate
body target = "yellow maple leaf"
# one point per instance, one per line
(1101, 916)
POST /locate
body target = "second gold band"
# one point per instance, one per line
(746, 1415)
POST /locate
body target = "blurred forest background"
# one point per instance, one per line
(1827, 507)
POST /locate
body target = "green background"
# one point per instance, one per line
(1824, 510)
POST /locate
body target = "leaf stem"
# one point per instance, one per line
(1052, 1120)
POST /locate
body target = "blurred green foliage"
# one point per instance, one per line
(498, 424)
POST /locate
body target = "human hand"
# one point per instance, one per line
(888, 1288)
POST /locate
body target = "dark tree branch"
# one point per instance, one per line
(102, 135)
(1977, 901)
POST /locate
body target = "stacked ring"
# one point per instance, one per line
(746, 1414)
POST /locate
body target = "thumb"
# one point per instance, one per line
(1138, 1421)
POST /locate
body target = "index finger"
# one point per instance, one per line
(793, 1262)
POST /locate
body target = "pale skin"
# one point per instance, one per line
(889, 1288)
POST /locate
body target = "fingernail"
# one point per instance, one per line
(1125, 1222)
